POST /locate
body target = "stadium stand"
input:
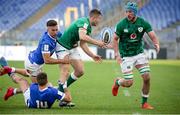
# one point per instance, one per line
(14, 12)
(163, 15)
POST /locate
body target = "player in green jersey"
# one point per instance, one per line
(129, 51)
(78, 33)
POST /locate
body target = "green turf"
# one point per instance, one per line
(92, 92)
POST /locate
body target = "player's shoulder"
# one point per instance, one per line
(142, 20)
(33, 85)
(52, 90)
(83, 20)
(46, 39)
(121, 23)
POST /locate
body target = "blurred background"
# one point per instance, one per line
(22, 23)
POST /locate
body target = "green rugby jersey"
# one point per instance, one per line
(70, 37)
(131, 36)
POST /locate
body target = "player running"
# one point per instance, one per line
(130, 52)
(77, 34)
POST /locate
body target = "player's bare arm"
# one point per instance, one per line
(48, 60)
(86, 49)
(86, 38)
(155, 40)
(116, 50)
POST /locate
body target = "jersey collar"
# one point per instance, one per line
(51, 36)
(41, 90)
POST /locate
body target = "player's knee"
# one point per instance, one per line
(128, 83)
(79, 72)
(17, 79)
(146, 77)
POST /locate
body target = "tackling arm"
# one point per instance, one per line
(48, 60)
(155, 40)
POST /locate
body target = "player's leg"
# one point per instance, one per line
(64, 69)
(77, 65)
(12, 91)
(6, 69)
(127, 79)
(144, 69)
(32, 70)
(64, 73)
(24, 86)
(77, 73)
(62, 53)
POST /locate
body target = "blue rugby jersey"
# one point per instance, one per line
(46, 45)
(43, 98)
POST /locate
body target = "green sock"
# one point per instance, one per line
(117, 82)
(144, 100)
(70, 81)
(60, 88)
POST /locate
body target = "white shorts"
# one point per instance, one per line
(33, 68)
(27, 97)
(61, 52)
(128, 64)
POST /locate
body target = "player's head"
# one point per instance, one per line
(42, 79)
(131, 10)
(95, 17)
(52, 28)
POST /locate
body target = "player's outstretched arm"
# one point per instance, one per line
(86, 49)
(86, 38)
(48, 60)
(155, 40)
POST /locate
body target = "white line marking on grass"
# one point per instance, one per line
(137, 113)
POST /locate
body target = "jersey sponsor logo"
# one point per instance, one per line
(133, 36)
(126, 30)
(46, 47)
(140, 29)
(85, 25)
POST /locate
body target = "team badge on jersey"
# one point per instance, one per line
(133, 36)
(140, 29)
(85, 25)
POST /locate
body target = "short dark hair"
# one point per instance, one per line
(94, 12)
(51, 23)
(42, 79)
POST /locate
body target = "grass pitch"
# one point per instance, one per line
(92, 92)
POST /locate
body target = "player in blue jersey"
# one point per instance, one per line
(42, 54)
(39, 95)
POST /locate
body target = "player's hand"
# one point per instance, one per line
(157, 47)
(102, 44)
(97, 58)
(109, 46)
